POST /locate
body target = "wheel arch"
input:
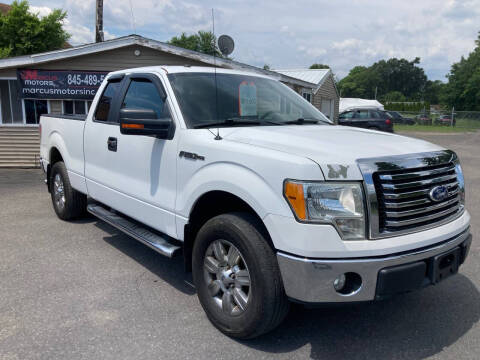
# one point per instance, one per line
(209, 205)
(54, 156)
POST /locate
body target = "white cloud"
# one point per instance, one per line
(341, 33)
(40, 10)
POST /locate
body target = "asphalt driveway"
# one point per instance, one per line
(82, 290)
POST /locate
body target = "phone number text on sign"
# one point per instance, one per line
(89, 79)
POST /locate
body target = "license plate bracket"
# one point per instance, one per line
(446, 265)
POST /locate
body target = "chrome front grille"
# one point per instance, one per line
(404, 201)
(398, 191)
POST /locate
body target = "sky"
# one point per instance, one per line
(296, 34)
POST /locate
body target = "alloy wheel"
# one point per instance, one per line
(227, 277)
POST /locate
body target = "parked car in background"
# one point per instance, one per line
(373, 119)
(397, 118)
(423, 120)
(445, 120)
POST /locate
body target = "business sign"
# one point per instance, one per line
(53, 84)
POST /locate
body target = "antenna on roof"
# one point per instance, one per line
(214, 47)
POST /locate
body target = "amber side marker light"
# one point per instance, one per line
(295, 196)
(132, 126)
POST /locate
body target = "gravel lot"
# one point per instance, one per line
(82, 290)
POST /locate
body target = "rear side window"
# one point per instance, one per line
(361, 114)
(143, 94)
(375, 114)
(105, 102)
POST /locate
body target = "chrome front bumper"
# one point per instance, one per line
(311, 280)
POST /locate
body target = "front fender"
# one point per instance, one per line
(236, 180)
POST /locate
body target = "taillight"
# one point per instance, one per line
(388, 121)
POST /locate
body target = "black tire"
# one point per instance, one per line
(75, 203)
(267, 303)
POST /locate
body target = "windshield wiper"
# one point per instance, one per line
(301, 121)
(228, 122)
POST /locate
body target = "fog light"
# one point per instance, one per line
(348, 284)
(339, 282)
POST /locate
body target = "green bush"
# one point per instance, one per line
(408, 106)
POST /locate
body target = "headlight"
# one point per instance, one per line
(340, 204)
(461, 181)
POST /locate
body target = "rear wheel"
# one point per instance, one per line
(67, 202)
(237, 277)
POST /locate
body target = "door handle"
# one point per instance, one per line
(112, 143)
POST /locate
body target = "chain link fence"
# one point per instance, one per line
(438, 120)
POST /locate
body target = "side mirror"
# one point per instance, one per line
(145, 122)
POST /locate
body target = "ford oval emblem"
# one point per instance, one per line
(439, 193)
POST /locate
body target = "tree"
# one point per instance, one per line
(383, 77)
(435, 92)
(319, 66)
(24, 33)
(266, 67)
(394, 96)
(203, 41)
(463, 88)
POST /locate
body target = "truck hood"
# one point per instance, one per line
(334, 148)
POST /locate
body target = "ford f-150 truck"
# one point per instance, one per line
(266, 199)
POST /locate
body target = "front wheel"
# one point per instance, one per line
(237, 277)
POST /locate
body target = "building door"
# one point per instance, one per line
(327, 108)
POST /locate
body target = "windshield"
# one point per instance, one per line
(241, 99)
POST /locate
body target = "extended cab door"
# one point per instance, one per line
(134, 174)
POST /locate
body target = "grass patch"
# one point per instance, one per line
(432, 128)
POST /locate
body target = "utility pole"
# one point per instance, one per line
(376, 88)
(99, 21)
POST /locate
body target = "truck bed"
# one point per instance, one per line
(65, 133)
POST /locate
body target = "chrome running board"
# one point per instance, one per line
(139, 232)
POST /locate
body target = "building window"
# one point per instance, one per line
(68, 107)
(307, 96)
(34, 109)
(80, 107)
(10, 103)
(77, 107)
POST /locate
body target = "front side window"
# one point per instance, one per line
(105, 102)
(394, 114)
(143, 94)
(347, 115)
(227, 98)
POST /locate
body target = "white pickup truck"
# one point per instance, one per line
(265, 198)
